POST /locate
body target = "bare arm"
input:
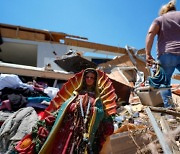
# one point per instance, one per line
(153, 31)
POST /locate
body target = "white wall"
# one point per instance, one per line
(41, 53)
(45, 53)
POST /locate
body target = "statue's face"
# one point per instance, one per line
(90, 79)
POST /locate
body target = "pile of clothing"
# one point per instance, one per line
(20, 107)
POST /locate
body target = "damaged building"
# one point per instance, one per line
(48, 59)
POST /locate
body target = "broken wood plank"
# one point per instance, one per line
(167, 131)
(176, 76)
(158, 132)
(165, 110)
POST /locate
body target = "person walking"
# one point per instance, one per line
(167, 29)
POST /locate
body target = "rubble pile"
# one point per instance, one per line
(135, 132)
(141, 125)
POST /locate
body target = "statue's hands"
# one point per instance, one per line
(72, 107)
(85, 101)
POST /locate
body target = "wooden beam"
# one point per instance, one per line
(48, 34)
(165, 110)
(32, 71)
(96, 46)
(141, 51)
(176, 76)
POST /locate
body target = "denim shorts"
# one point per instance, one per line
(169, 63)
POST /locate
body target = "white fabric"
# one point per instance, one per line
(139, 78)
(51, 91)
(12, 81)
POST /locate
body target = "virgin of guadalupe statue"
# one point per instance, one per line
(79, 118)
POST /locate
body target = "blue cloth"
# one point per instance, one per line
(35, 102)
(38, 99)
(169, 63)
(159, 80)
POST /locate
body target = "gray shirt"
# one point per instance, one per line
(169, 33)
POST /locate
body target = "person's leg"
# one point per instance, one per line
(168, 63)
(166, 96)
